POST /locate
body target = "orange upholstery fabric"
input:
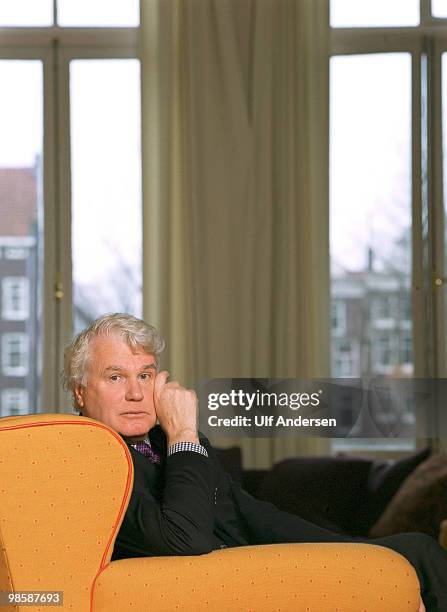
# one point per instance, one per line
(65, 482)
(64, 486)
(286, 577)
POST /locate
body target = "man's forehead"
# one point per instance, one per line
(113, 349)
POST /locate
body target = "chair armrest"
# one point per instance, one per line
(323, 577)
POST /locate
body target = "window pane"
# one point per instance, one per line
(374, 13)
(106, 188)
(370, 216)
(99, 13)
(439, 8)
(21, 122)
(26, 12)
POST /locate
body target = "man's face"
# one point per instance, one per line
(120, 387)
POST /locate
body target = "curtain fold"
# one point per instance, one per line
(235, 182)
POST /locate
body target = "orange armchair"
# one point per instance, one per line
(65, 485)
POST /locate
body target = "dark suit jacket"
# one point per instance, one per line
(190, 506)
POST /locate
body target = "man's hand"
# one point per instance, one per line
(176, 409)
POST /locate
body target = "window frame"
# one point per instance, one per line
(425, 43)
(365, 41)
(55, 47)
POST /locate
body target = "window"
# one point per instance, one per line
(382, 347)
(106, 179)
(374, 13)
(21, 212)
(14, 402)
(383, 306)
(99, 13)
(388, 230)
(26, 12)
(15, 298)
(439, 8)
(338, 318)
(70, 179)
(345, 360)
(14, 354)
(370, 194)
(15, 253)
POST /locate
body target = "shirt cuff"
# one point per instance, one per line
(187, 446)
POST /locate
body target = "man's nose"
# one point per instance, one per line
(133, 391)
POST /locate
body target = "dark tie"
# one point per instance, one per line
(145, 449)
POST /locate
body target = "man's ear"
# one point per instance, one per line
(79, 395)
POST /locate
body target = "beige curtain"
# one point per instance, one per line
(235, 177)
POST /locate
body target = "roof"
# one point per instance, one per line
(18, 201)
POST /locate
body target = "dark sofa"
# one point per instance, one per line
(358, 496)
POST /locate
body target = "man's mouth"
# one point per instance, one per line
(134, 413)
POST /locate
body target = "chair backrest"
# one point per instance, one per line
(65, 483)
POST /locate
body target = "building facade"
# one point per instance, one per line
(19, 320)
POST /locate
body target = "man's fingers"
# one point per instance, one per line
(160, 381)
(173, 384)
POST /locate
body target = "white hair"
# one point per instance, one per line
(136, 333)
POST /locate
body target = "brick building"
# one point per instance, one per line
(19, 330)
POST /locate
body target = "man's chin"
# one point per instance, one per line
(130, 426)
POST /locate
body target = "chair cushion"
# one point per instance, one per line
(312, 577)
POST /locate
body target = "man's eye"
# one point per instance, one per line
(115, 377)
(146, 375)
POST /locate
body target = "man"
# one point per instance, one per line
(182, 502)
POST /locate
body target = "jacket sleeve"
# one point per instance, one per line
(181, 521)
